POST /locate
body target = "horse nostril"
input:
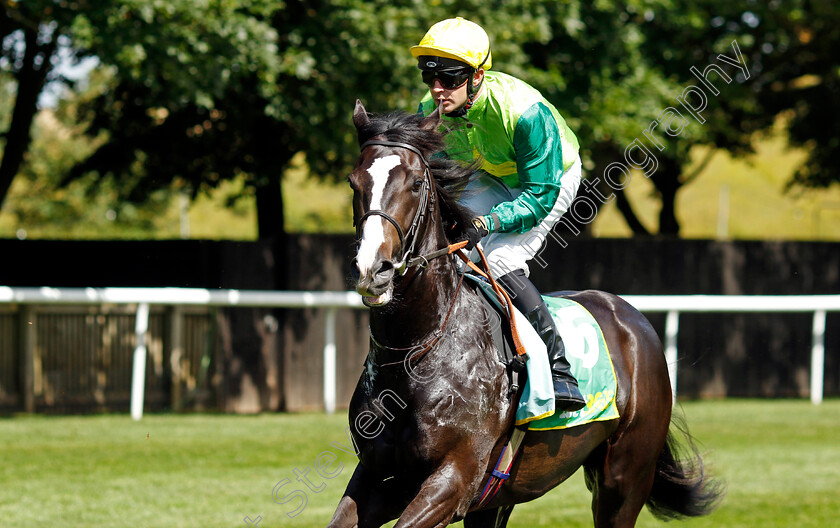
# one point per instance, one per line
(354, 270)
(385, 267)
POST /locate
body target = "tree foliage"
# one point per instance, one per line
(201, 92)
(188, 99)
(624, 64)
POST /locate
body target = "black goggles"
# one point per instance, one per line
(449, 80)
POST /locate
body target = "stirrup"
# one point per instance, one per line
(567, 396)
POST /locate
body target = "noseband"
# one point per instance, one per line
(427, 202)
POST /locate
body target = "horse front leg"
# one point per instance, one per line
(445, 494)
(368, 501)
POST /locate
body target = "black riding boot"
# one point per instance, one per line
(527, 300)
(567, 396)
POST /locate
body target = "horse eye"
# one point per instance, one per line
(418, 184)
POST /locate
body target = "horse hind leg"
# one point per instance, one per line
(636, 470)
(495, 518)
(620, 475)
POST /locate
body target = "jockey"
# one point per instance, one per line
(529, 168)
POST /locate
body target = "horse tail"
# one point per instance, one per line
(681, 487)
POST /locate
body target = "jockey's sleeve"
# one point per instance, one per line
(539, 165)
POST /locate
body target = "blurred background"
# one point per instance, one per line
(205, 144)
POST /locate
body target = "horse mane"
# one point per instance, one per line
(450, 176)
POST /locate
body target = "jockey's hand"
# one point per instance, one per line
(475, 232)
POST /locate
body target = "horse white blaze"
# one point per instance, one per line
(373, 232)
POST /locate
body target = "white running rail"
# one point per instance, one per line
(672, 305)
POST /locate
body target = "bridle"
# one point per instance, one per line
(426, 206)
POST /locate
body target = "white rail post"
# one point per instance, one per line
(672, 327)
(818, 357)
(329, 361)
(138, 372)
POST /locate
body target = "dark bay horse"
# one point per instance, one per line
(431, 412)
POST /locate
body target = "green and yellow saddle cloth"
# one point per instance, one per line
(587, 353)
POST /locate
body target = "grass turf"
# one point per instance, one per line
(779, 458)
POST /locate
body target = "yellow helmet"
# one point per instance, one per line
(459, 39)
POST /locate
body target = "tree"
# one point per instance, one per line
(39, 206)
(164, 58)
(789, 51)
(794, 47)
(614, 68)
(590, 63)
(188, 101)
(28, 52)
(324, 55)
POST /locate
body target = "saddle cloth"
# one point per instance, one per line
(586, 351)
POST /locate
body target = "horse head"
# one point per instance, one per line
(393, 197)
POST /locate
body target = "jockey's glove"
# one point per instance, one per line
(475, 231)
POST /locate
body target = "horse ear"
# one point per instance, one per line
(360, 116)
(433, 121)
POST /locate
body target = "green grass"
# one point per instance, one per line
(780, 460)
